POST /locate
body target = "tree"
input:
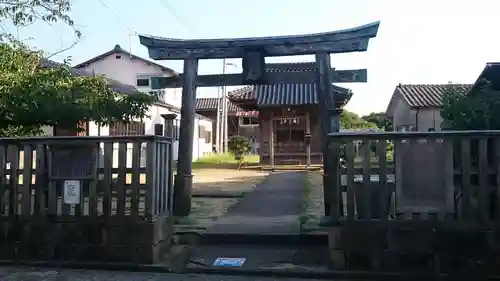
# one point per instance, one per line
(379, 119)
(350, 120)
(34, 94)
(478, 109)
(239, 146)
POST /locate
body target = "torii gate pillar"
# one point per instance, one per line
(184, 179)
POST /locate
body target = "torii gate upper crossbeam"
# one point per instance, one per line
(343, 41)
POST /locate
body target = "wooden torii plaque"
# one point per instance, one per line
(253, 51)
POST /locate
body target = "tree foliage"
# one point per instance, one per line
(33, 94)
(478, 109)
(239, 146)
(350, 120)
(26, 12)
(379, 119)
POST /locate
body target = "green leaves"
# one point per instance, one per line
(35, 92)
(239, 146)
(26, 12)
(33, 95)
(350, 120)
(379, 119)
(478, 109)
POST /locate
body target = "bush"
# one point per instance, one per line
(239, 146)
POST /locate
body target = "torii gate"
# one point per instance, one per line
(253, 51)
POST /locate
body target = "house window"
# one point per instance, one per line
(142, 81)
(208, 137)
(201, 131)
(249, 121)
(204, 134)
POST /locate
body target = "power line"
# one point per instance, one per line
(116, 16)
(132, 32)
(176, 14)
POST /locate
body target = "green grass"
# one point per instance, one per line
(226, 158)
(224, 161)
(306, 202)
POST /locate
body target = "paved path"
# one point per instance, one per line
(46, 274)
(272, 208)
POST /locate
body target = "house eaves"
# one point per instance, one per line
(119, 50)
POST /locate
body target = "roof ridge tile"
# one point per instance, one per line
(427, 95)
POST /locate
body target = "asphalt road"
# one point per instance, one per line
(46, 274)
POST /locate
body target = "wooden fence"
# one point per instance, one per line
(85, 198)
(438, 198)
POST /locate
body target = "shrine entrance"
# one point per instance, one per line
(289, 134)
(289, 128)
(253, 52)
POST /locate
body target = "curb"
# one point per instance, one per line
(332, 275)
(305, 274)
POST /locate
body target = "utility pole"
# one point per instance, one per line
(218, 124)
(224, 106)
(221, 132)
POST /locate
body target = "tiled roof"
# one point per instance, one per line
(428, 95)
(277, 94)
(245, 93)
(208, 104)
(120, 50)
(285, 94)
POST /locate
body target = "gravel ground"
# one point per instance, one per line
(46, 274)
(230, 181)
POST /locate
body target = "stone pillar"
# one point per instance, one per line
(184, 177)
(169, 124)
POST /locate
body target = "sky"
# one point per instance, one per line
(419, 42)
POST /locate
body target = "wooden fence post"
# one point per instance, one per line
(169, 132)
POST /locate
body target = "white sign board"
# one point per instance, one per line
(230, 262)
(72, 192)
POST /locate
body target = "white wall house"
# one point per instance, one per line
(120, 65)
